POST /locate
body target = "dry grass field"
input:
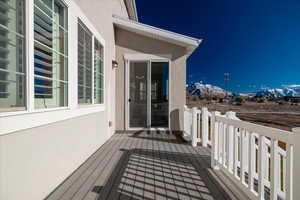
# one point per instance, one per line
(269, 114)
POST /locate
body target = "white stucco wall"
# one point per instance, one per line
(100, 14)
(39, 150)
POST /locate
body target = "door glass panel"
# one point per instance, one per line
(138, 94)
(159, 94)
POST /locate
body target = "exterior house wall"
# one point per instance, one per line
(100, 14)
(131, 43)
(37, 152)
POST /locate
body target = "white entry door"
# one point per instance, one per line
(148, 94)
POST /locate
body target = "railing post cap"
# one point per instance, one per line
(230, 114)
(216, 113)
(296, 130)
(194, 108)
(204, 108)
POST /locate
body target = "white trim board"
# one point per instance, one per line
(28, 120)
(131, 9)
(142, 57)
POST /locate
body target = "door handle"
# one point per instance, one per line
(129, 100)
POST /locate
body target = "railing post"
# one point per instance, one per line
(204, 126)
(194, 127)
(230, 142)
(293, 162)
(214, 140)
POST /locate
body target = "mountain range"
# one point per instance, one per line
(279, 92)
(202, 90)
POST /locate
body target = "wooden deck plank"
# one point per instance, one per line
(78, 174)
(80, 183)
(99, 181)
(189, 171)
(123, 185)
(106, 162)
(146, 165)
(114, 180)
(203, 162)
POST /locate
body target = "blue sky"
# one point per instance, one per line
(257, 41)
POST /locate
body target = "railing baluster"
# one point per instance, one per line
(235, 149)
(225, 139)
(229, 147)
(242, 154)
(274, 169)
(220, 142)
(197, 127)
(261, 184)
(213, 141)
(194, 127)
(216, 139)
(250, 161)
(210, 129)
(204, 126)
(223, 144)
(289, 172)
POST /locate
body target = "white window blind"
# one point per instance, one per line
(50, 54)
(85, 63)
(12, 55)
(98, 73)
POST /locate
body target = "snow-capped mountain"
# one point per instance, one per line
(205, 90)
(280, 92)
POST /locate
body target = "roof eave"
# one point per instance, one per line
(178, 39)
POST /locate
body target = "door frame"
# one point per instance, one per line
(149, 59)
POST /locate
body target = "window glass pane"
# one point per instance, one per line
(98, 96)
(159, 94)
(98, 72)
(12, 55)
(12, 15)
(85, 63)
(12, 91)
(50, 54)
(45, 6)
(50, 93)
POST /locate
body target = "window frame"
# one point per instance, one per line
(31, 117)
(97, 36)
(102, 98)
(86, 28)
(55, 52)
(24, 74)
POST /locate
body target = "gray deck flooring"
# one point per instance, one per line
(143, 165)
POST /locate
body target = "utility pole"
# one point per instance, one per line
(226, 81)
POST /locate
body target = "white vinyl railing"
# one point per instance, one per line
(264, 162)
(197, 125)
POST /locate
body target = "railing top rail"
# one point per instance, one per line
(281, 135)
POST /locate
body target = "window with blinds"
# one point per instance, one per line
(98, 73)
(85, 64)
(50, 54)
(12, 55)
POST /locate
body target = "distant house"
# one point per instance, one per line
(72, 73)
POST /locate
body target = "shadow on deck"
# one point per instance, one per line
(144, 165)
